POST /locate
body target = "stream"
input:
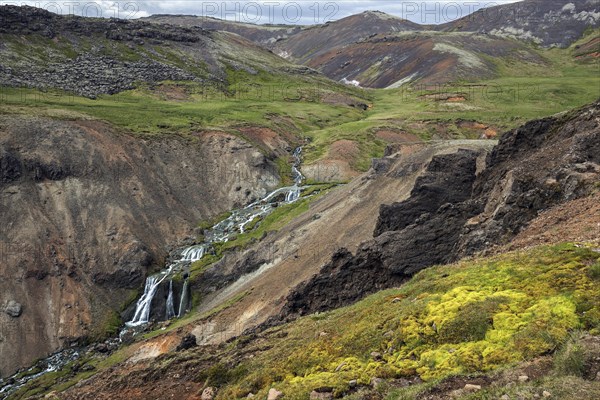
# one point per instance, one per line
(182, 258)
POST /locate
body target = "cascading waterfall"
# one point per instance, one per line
(142, 311)
(221, 232)
(170, 312)
(184, 299)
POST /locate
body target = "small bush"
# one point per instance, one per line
(569, 360)
(594, 270)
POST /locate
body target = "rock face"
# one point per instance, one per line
(13, 309)
(454, 212)
(91, 57)
(416, 224)
(558, 23)
(88, 212)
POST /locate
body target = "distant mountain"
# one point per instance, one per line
(265, 35)
(313, 42)
(378, 50)
(385, 60)
(549, 23)
(91, 56)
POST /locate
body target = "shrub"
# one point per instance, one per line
(594, 270)
(570, 359)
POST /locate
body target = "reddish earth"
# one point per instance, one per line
(172, 92)
(397, 137)
(590, 49)
(395, 59)
(344, 150)
(266, 138)
(478, 129)
(574, 221)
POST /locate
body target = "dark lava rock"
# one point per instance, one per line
(10, 167)
(187, 342)
(453, 213)
(449, 179)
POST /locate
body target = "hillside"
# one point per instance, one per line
(548, 23)
(477, 315)
(472, 154)
(117, 138)
(265, 35)
(90, 57)
(377, 50)
(429, 339)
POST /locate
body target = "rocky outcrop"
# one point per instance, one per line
(13, 309)
(550, 23)
(413, 235)
(454, 212)
(88, 212)
(94, 56)
(449, 179)
(27, 20)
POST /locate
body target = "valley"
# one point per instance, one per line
(398, 212)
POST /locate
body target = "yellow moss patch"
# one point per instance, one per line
(471, 316)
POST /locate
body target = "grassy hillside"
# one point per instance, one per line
(454, 323)
(475, 316)
(524, 91)
(310, 106)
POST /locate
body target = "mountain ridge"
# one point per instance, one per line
(556, 23)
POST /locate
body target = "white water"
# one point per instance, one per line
(184, 299)
(170, 312)
(142, 310)
(222, 232)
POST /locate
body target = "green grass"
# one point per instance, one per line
(472, 317)
(523, 91)
(292, 104)
(570, 359)
(259, 228)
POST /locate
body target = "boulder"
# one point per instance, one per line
(187, 342)
(209, 393)
(274, 394)
(314, 395)
(472, 388)
(14, 309)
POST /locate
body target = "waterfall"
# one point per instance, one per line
(142, 310)
(184, 299)
(193, 253)
(170, 312)
(221, 232)
(294, 192)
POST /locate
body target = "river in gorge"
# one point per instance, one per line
(177, 304)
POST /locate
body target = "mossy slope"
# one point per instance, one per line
(475, 316)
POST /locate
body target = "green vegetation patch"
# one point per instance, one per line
(471, 317)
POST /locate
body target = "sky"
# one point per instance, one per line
(267, 11)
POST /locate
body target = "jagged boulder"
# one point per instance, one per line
(187, 342)
(13, 309)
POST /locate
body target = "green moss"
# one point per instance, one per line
(114, 324)
(207, 224)
(472, 321)
(475, 316)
